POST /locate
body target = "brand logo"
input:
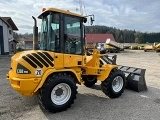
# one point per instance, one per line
(22, 71)
(38, 72)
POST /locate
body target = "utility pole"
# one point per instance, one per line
(80, 7)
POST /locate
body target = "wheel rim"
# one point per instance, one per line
(117, 84)
(60, 94)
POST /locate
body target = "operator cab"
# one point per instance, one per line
(62, 32)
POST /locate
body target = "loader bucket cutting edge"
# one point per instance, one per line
(135, 78)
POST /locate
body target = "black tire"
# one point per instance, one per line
(111, 51)
(45, 97)
(103, 52)
(107, 87)
(89, 80)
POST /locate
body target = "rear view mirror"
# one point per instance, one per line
(85, 20)
(92, 19)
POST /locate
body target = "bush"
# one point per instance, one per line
(20, 49)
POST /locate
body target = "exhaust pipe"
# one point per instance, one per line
(35, 35)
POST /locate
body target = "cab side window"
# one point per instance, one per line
(54, 42)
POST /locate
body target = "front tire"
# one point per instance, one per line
(58, 92)
(114, 85)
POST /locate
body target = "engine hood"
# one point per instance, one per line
(33, 63)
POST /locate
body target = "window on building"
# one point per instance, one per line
(12, 47)
(10, 32)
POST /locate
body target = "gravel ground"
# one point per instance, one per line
(91, 103)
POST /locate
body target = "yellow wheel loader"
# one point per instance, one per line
(155, 47)
(58, 62)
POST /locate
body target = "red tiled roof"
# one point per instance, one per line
(101, 38)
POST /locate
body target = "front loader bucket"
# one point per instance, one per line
(135, 78)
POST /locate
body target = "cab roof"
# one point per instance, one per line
(47, 10)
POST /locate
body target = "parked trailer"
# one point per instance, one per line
(113, 46)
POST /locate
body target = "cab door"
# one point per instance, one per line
(56, 39)
(73, 41)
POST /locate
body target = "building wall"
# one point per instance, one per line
(5, 45)
(10, 33)
(12, 47)
(5, 38)
(0, 22)
(28, 45)
(1, 40)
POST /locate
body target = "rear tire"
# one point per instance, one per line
(58, 92)
(89, 80)
(114, 85)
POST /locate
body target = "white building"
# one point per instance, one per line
(6, 34)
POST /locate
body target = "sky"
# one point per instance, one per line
(139, 15)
